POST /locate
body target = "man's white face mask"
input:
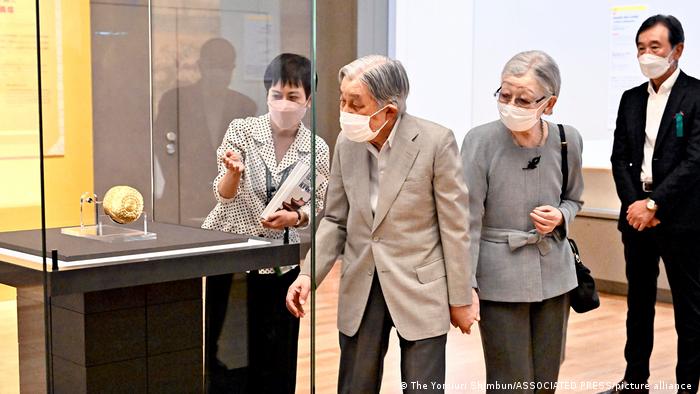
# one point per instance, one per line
(356, 127)
(654, 66)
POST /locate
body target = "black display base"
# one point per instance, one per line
(143, 339)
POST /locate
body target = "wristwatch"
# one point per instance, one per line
(651, 205)
(298, 218)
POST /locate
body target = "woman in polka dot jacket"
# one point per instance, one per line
(255, 157)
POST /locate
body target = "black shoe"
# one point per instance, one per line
(625, 387)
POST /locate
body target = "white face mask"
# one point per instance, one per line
(654, 66)
(518, 119)
(286, 114)
(356, 127)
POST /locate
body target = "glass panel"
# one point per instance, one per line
(128, 86)
(208, 65)
(220, 158)
(23, 311)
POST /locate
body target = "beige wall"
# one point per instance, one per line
(336, 46)
(595, 232)
(599, 191)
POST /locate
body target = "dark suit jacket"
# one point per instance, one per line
(188, 173)
(676, 158)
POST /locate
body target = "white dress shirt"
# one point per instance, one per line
(378, 162)
(656, 105)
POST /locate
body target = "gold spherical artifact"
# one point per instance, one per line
(123, 204)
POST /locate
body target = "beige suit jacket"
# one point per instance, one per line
(417, 242)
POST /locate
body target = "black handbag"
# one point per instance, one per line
(584, 297)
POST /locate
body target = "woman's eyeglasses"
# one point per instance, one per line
(506, 98)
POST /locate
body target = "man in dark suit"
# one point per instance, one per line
(656, 166)
(190, 124)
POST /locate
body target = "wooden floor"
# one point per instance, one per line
(9, 353)
(594, 350)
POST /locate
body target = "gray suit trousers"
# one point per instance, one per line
(362, 355)
(524, 344)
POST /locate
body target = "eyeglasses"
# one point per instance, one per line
(506, 98)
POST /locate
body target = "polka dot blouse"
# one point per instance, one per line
(251, 138)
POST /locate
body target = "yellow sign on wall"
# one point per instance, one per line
(66, 60)
(19, 125)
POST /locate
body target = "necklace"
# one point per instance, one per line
(526, 145)
(542, 127)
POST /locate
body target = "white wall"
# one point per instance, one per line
(434, 43)
(454, 52)
(372, 27)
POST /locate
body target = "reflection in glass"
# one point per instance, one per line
(190, 124)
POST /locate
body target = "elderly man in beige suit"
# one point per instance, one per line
(397, 210)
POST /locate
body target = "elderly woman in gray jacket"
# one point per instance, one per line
(519, 221)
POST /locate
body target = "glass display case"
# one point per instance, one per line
(133, 111)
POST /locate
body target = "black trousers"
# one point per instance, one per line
(362, 355)
(681, 257)
(219, 379)
(218, 289)
(273, 335)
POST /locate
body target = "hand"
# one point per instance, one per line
(464, 316)
(297, 294)
(232, 162)
(639, 216)
(546, 218)
(654, 222)
(280, 220)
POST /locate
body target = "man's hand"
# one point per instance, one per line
(654, 222)
(297, 294)
(464, 316)
(639, 216)
(546, 218)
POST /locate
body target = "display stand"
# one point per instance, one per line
(112, 232)
(123, 317)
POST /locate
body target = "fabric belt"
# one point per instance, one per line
(517, 239)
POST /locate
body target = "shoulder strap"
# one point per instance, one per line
(564, 161)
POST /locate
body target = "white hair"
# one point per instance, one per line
(542, 66)
(385, 78)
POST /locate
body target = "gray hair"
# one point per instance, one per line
(543, 67)
(385, 78)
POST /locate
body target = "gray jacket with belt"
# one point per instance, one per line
(513, 262)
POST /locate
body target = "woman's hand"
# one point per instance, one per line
(281, 219)
(463, 317)
(228, 186)
(232, 162)
(546, 218)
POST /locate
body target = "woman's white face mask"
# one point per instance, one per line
(356, 127)
(519, 119)
(286, 114)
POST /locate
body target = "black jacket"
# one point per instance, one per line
(676, 159)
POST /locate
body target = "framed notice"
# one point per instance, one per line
(19, 108)
(260, 45)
